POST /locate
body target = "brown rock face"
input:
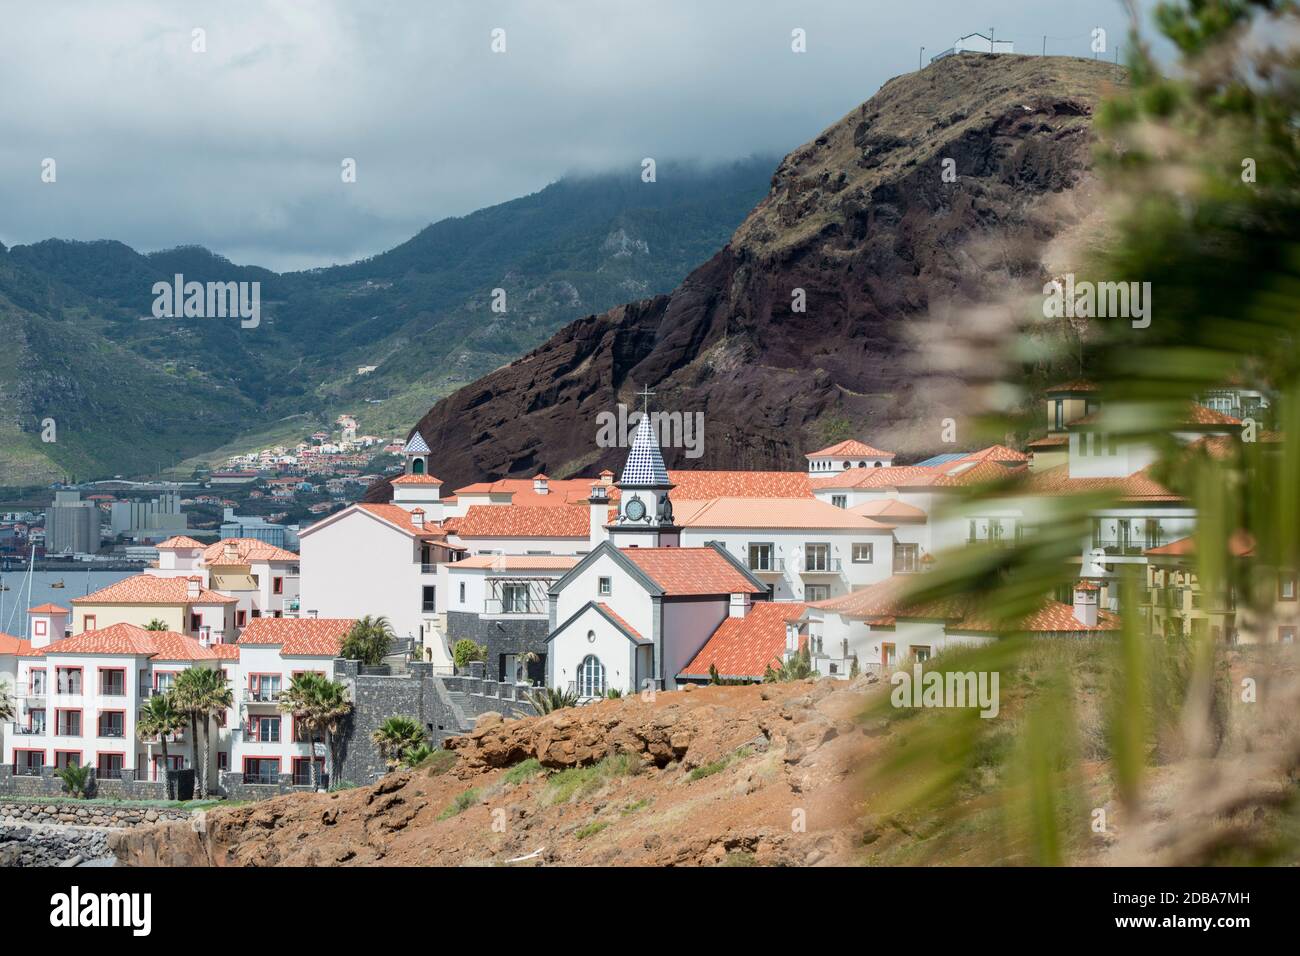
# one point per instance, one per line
(863, 221)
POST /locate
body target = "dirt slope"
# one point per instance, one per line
(860, 219)
(716, 775)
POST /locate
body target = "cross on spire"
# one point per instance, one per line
(645, 394)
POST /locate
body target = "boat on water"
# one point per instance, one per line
(57, 584)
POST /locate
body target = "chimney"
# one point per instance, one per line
(791, 639)
(192, 587)
(232, 553)
(1085, 603)
(417, 517)
(540, 485)
(606, 477)
(739, 605)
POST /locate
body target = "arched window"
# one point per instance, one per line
(591, 677)
(417, 466)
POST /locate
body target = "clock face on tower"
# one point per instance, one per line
(635, 509)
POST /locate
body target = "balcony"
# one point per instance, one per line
(775, 567)
(262, 776)
(20, 731)
(259, 695)
(817, 567)
(27, 770)
(176, 738)
(515, 607)
(428, 568)
(111, 732)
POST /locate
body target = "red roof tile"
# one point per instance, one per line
(1139, 486)
(299, 637)
(744, 647)
(246, 549)
(774, 513)
(151, 589)
(850, 448)
(513, 521)
(617, 619)
(399, 517)
(180, 542)
(14, 645)
(690, 485)
(48, 609)
(417, 480)
(127, 640)
(683, 571)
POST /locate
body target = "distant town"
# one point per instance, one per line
(269, 495)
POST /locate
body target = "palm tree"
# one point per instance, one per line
(155, 625)
(369, 640)
(76, 779)
(202, 693)
(160, 718)
(321, 705)
(396, 737)
(6, 704)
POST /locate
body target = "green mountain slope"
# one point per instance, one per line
(129, 391)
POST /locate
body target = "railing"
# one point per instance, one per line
(113, 691)
(501, 606)
(260, 695)
(22, 731)
(27, 770)
(775, 566)
(262, 776)
(828, 566)
(114, 773)
(428, 568)
(302, 778)
(1131, 547)
(111, 732)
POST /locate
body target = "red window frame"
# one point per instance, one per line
(81, 721)
(255, 728)
(66, 753)
(68, 668)
(90, 622)
(99, 722)
(101, 754)
(241, 619)
(29, 751)
(99, 680)
(277, 585)
(30, 687)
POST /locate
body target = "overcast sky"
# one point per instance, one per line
(239, 148)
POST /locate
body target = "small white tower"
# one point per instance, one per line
(645, 512)
(417, 455)
(46, 624)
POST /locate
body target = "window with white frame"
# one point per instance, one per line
(604, 587)
(840, 501)
(817, 557)
(760, 557)
(863, 553)
(591, 677)
(816, 592)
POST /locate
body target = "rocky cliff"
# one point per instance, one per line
(863, 221)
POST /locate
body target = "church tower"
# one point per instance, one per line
(645, 512)
(417, 455)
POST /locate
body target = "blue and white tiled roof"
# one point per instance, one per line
(645, 465)
(417, 445)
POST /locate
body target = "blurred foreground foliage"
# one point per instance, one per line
(1199, 175)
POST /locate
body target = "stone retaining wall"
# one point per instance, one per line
(85, 814)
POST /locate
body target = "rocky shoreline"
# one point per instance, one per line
(43, 845)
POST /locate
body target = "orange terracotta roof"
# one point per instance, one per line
(775, 513)
(888, 600)
(513, 521)
(417, 480)
(1078, 385)
(14, 645)
(401, 518)
(690, 485)
(850, 448)
(998, 453)
(48, 609)
(299, 636)
(683, 571)
(632, 631)
(1139, 486)
(227, 652)
(180, 542)
(1195, 414)
(1050, 441)
(518, 562)
(558, 492)
(246, 549)
(1240, 544)
(744, 647)
(889, 510)
(130, 641)
(151, 589)
(868, 478)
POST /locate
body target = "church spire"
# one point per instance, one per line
(645, 464)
